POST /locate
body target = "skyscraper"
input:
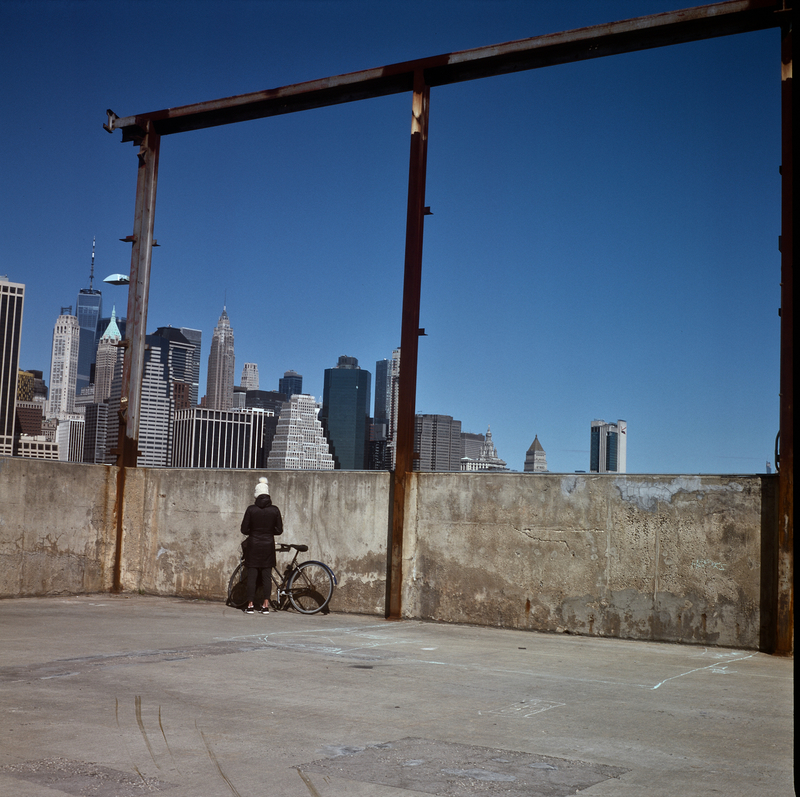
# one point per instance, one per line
(95, 432)
(299, 442)
(89, 309)
(345, 413)
(180, 362)
(195, 337)
(221, 364)
(157, 409)
(437, 440)
(69, 437)
(379, 454)
(12, 297)
(394, 401)
(213, 439)
(609, 443)
(64, 366)
(249, 376)
(535, 458)
(108, 352)
(291, 383)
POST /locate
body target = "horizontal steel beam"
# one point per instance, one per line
(642, 33)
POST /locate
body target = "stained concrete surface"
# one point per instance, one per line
(126, 695)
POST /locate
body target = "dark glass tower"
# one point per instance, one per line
(89, 309)
(345, 413)
(291, 384)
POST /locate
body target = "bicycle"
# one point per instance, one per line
(307, 587)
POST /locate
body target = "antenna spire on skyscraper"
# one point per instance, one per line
(91, 273)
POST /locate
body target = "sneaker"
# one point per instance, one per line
(264, 610)
(249, 610)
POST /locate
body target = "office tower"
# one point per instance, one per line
(345, 413)
(29, 413)
(102, 326)
(239, 397)
(89, 309)
(394, 401)
(181, 363)
(12, 297)
(108, 352)
(270, 400)
(383, 392)
(609, 442)
(36, 447)
(437, 439)
(95, 431)
(250, 376)
(69, 437)
(219, 439)
(64, 366)
(471, 445)
(195, 337)
(379, 455)
(535, 458)
(487, 459)
(156, 411)
(219, 387)
(29, 418)
(299, 442)
(291, 383)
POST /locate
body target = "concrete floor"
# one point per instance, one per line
(125, 695)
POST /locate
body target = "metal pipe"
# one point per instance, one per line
(409, 335)
(136, 325)
(631, 35)
(785, 575)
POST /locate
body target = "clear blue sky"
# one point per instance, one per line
(604, 241)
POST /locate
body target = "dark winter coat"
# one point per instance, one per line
(262, 523)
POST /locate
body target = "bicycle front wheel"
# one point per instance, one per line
(310, 588)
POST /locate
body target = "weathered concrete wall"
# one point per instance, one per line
(644, 557)
(182, 537)
(56, 527)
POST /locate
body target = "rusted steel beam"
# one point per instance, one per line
(641, 33)
(409, 335)
(136, 325)
(785, 546)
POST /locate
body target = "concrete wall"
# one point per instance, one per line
(182, 537)
(674, 558)
(644, 557)
(56, 527)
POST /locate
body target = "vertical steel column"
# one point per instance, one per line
(409, 335)
(136, 324)
(785, 608)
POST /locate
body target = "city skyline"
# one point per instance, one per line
(603, 240)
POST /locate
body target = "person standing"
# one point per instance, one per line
(262, 522)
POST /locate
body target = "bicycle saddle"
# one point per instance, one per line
(286, 546)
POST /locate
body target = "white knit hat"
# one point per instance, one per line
(262, 488)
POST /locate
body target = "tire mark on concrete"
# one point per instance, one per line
(140, 723)
(124, 743)
(216, 763)
(307, 781)
(169, 749)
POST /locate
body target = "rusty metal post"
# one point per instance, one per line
(136, 324)
(409, 335)
(785, 574)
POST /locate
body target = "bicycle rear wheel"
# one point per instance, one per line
(310, 587)
(237, 588)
